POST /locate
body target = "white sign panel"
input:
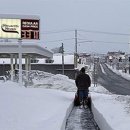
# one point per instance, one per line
(10, 28)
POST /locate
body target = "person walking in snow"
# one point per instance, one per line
(83, 83)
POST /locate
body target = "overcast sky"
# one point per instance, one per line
(95, 20)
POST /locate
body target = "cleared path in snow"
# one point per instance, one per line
(81, 119)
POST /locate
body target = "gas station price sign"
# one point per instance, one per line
(29, 29)
(19, 28)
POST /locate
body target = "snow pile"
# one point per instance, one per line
(33, 108)
(111, 112)
(99, 89)
(36, 108)
(57, 81)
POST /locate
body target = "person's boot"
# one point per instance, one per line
(86, 103)
(81, 104)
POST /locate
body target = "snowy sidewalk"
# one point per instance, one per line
(81, 119)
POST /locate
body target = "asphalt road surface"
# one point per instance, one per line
(113, 82)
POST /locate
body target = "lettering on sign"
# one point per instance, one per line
(29, 29)
(19, 28)
(9, 28)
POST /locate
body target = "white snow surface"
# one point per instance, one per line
(68, 59)
(32, 108)
(47, 104)
(102, 69)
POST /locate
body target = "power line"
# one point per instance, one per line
(53, 32)
(92, 41)
(87, 31)
(60, 40)
(102, 32)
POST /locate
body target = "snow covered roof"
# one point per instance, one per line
(31, 49)
(68, 59)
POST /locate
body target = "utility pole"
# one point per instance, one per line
(62, 58)
(129, 58)
(129, 64)
(75, 54)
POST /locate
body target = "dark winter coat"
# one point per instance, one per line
(83, 81)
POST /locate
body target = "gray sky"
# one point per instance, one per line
(92, 18)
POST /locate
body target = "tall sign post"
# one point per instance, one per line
(19, 28)
(29, 30)
(20, 61)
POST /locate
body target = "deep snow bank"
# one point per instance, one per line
(33, 108)
(111, 112)
(68, 111)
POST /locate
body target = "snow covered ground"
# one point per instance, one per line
(33, 108)
(47, 104)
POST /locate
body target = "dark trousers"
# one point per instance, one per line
(83, 94)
